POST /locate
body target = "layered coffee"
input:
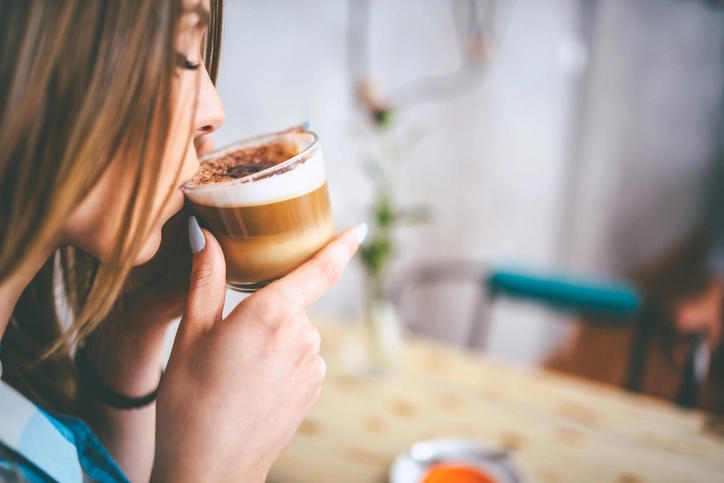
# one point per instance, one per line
(267, 203)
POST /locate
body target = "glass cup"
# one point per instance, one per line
(269, 222)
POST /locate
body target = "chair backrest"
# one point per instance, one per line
(441, 300)
(451, 301)
(612, 301)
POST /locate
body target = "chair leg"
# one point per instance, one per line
(480, 322)
(644, 329)
(688, 394)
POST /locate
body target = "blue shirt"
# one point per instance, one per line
(49, 448)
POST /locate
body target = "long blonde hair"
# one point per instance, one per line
(80, 82)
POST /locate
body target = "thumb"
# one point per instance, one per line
(207, 290)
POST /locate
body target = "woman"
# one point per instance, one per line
(100, 105)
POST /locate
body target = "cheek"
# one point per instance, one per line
(95, 223)
(169, 198)
(179, 166)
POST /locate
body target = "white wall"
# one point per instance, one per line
(490, 164)
(656, 92)
(496, 165)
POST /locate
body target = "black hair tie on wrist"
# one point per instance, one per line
(92, 382)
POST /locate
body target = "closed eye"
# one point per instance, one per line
(184, 62)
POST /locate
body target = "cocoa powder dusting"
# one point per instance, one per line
(239, 164)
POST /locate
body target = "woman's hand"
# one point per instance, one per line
(236, 389)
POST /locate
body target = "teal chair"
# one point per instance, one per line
(590, 301)
(615, 300)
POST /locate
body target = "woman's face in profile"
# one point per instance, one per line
(94, 224)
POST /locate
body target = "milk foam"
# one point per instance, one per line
(304, 178)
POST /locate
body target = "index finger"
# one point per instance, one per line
(309, 282)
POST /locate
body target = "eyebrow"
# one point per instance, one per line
(204, 15)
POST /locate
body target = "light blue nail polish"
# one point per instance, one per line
(196, 236)
(306, 125)
(361, 232)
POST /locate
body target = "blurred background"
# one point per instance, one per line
(559, 137)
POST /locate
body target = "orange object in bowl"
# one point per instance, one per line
(456, 473)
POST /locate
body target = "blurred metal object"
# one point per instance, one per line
(695, 370)
(479, 28)
(702, 358)
(643, 335)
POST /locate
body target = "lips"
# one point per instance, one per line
(185, 183)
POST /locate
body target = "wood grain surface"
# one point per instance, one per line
(558, 427)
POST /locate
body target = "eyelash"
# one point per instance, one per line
(183, 62)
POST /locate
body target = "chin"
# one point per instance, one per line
(149, 249)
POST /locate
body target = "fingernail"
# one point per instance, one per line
(306, 125)
(361, 232)
(196, 236)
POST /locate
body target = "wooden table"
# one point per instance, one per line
(559, 428)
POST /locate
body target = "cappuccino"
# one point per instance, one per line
(267, 203)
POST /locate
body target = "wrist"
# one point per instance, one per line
(182, 467)
(93, 384)
(127, 361)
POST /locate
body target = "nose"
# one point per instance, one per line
(209, 110)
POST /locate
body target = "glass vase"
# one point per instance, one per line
(383, 331)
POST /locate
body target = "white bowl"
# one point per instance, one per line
(412, 465)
